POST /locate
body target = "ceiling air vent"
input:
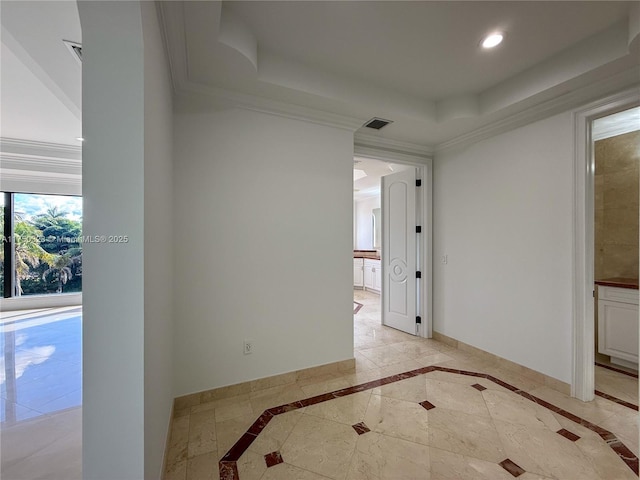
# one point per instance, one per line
(377, 123)
(75, 49)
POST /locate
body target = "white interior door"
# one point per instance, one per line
(399, 262)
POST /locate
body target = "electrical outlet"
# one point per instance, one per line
(248, 347)
(445, 259)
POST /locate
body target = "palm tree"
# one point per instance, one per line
(58, 231)
(59, 267)
(28, 252)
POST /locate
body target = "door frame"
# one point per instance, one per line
(424, 164)
(583, 348)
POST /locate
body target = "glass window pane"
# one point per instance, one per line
(48, 248)
(2, 244)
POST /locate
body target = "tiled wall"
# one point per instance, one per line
(616, 206)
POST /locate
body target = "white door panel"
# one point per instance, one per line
(399, 250)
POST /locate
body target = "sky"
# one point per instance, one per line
(28, 205)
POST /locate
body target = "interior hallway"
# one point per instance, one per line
(425, 424)
(45, 441)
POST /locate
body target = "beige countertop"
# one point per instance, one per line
(619, 282)
(372, 254)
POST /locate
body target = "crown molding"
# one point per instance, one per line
(559, 104)
(269, 106)
(389, 156)
(40, 164)
(164, 33)
(45, 183)
(172, 15)
(40, 177)
(364, 141)
(173, 29)
(43, 150)
(40, 167)
(40, 158)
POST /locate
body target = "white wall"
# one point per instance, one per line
(503, 215)
(364, 222)
(113, 274)
(127, 287)
(158, 244)
(264, 223)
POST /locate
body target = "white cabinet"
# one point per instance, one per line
(377, 277)
(618, 324)
(372, 275)
(358, 273)
(367, 274)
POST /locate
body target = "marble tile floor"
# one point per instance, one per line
(618, 383)
(436, 422)
(41, 394)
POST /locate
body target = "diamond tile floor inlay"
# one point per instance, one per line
(273, 458)
(512, 468)
(424, 422)
(360, 428)
(356, 307)
(567, 434)
(427, 405)
(328, 448)
(431, 426)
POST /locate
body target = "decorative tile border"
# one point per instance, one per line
(568, 435)
(512, 467)
(619, 370)
(427, 405)
(273, 458)
(228, 464)
(617, 400)
(361, 428)
(356, 307)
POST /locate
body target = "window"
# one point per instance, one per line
(45, 254)
(3, 233)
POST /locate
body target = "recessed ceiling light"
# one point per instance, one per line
(492, 40)
(80, 139)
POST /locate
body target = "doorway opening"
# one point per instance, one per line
(584, 292)
(371, 229)
(367, 243)
(614, 142)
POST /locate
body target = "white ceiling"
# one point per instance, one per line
(416, 63)
(425, 49)
(369, 186)
(41, 82)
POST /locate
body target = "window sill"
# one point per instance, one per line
(41, 301)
